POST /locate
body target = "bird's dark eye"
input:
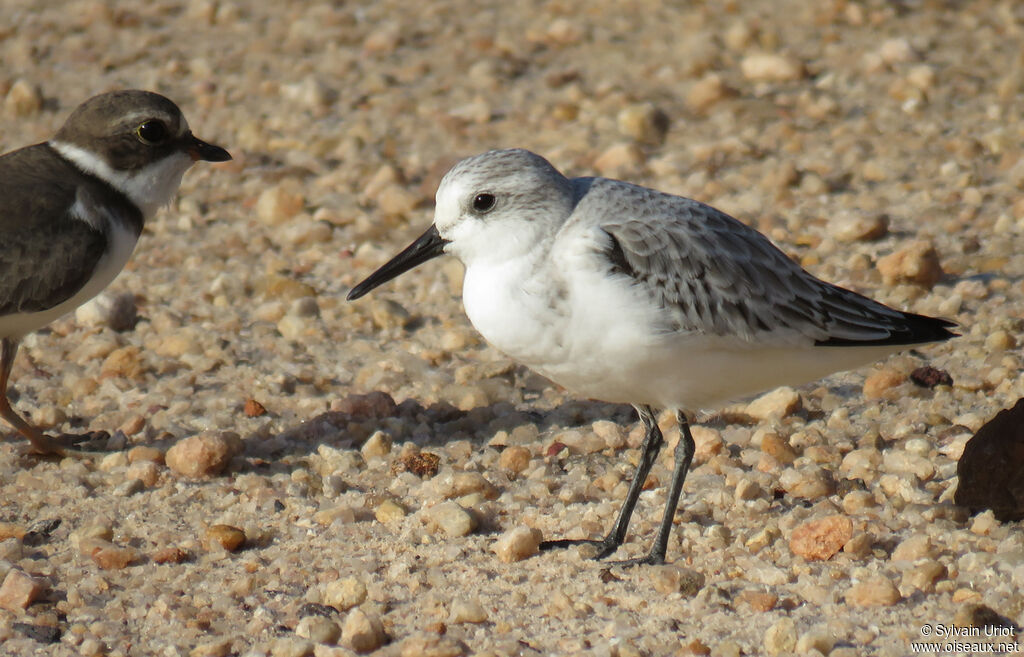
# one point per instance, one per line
(483, 202)
(152, 132)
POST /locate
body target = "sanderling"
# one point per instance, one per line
(626, 294)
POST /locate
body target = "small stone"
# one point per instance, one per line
(815, 640)
(514, 459)
(758, 600)
(19, 590)
(858, 501)
(116, 311)
(432, 645)
(820, 539)
(778, 448)
(253, 408)
(113, 461)
(170, 555)
(859, 227)
(463, 611)
(279, 203)
(879, 382)
(371, 406)
(318, 629)
(999, 340)
(459, 484)
(808, 482)
(145, 453)
(670, 578)
(929, 377)
(984, 523)
(613, 435)
(643, 122)
(289, 647)
(113, 557)
(918, 546)
(449, 518)
(771, 68)
(214, 648)
(517, 544)
(989, 469)
(779, 403)
(707, 92)
(780, 637)
(125, 362)
(389, 510)
(362, 631)
(225, 537)
(923, 576)
(204, 455)
(707, 443)
(344, 594)
(875, 592)
(421, 464)
(376, 446)
(23, 99)
(618, 159)
(917, 263)
(897, 51)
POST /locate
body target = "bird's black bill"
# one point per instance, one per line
(428, 245)
(200, 150)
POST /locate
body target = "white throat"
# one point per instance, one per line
(148, 188)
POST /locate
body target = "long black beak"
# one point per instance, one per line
(428, 245)
(200, 150)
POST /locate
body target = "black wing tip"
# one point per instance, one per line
(915, 329)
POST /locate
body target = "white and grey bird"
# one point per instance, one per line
(73, 207)
(625, 294)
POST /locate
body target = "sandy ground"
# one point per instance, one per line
(847, 131)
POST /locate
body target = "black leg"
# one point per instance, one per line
(683, 457)
(652, 445)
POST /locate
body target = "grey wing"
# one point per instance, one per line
(45, 256)
(713, 274)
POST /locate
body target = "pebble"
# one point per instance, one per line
(815, 640)
(821, 538)
(875, 592)
(344, 594)
(170, 555)
(781, 637)
(113, 557)
(809, 482)
(224, 537)
(517, 544)
(758, 600)
(916, 262)
(464, 611)
(670, 578)
(116, 311)
(706, 93)
(204, 455)
(878, 384)
(318, 629)
(858, 501)
(643, 122)
(279, 203)
(432, 645)
(619, 160)
(707, 443)
(859, 227)
(289, 647)
(766, 67)
(450, 518)
(377, 445)
(389, 510)
(777, 447)
(779, 403)
(923, 576)
(19, 590)
(214, 648)
(362, 631)
(459, 484)
(514, 458)
(23, 99)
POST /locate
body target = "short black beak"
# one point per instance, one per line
(428, 245)
(200, 150)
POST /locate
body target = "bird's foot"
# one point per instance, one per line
(77, 445)
(649, 560)
(604, 547)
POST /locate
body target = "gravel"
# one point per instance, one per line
(380, 459)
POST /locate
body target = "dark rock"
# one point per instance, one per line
(40, 633)
(929, 377)
(991, 469)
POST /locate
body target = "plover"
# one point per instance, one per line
(72, 209)
(625, 294)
